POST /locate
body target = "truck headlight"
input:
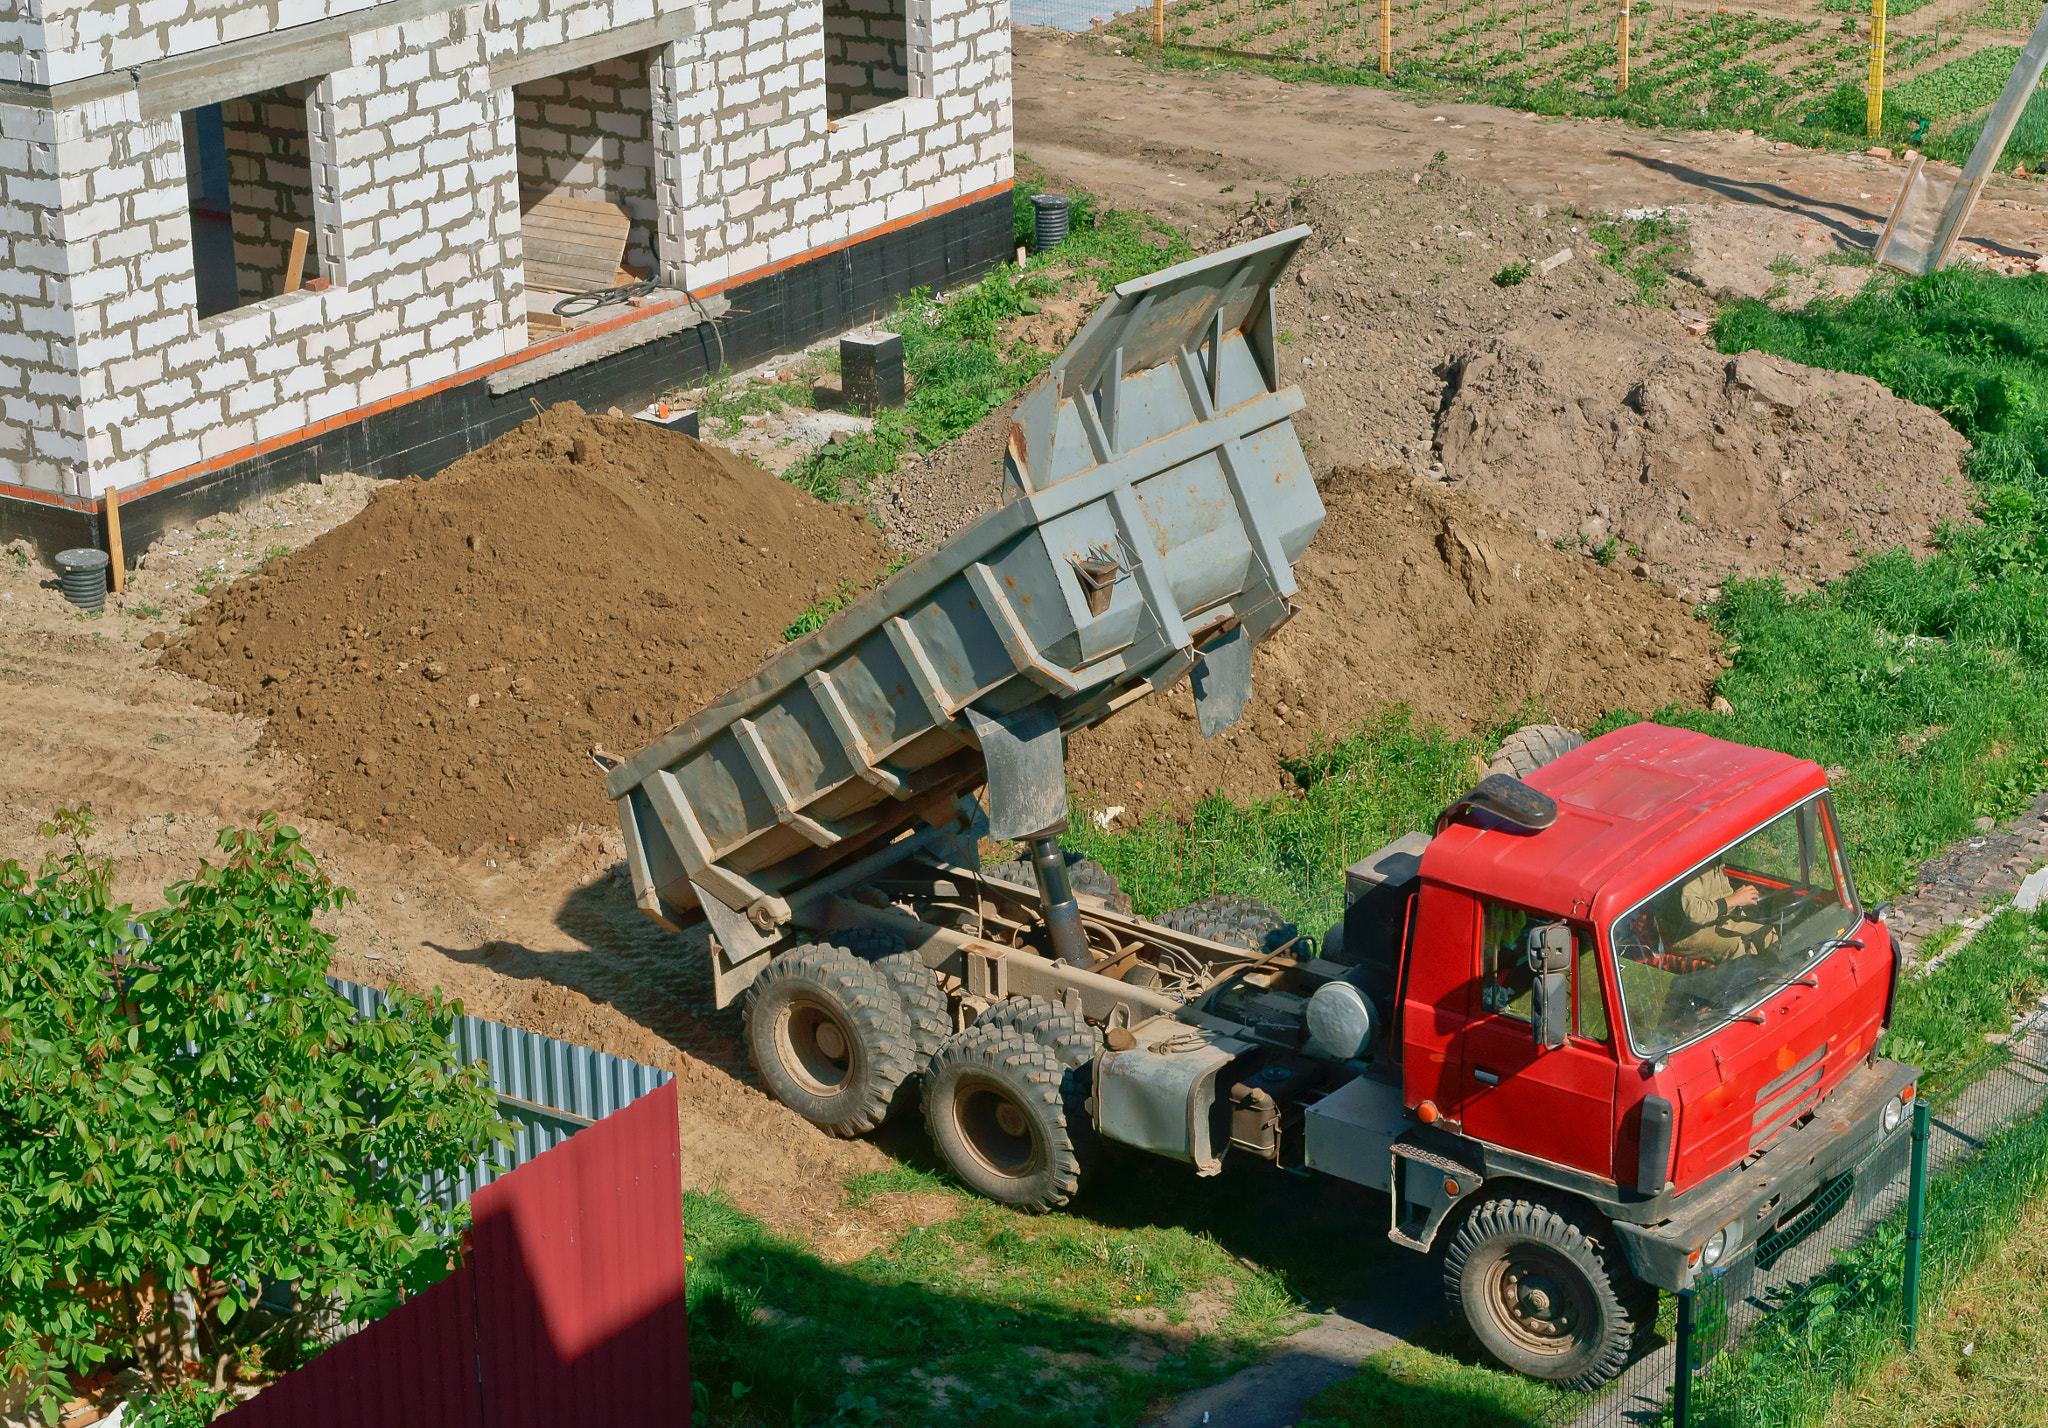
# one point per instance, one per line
(1720, 1243)
(1893, 1113)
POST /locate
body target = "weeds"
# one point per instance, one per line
(1643, 250)
(143, 610)
(1513, 275)
(815, 617)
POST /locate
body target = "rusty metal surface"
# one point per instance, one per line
(569, 1307)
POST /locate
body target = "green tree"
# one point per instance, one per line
(189, 1113)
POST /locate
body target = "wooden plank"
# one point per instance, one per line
(605, 45)
(295, 265)
(573, 244)
(114, 537)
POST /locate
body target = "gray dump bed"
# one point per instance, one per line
(1155, 501)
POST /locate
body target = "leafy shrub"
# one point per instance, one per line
(190, 1116)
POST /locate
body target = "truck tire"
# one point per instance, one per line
(1546, 1291)
(827, 1035)
(1239, 921)
(1532, 746)
(1087, 875)
(1066, 1033)
(1008, 1118)
(917, 986)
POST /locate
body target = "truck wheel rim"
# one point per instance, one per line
(1539, 1299)
(814, 1047)
(996, 1129)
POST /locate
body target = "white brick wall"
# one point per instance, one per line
(721, 145)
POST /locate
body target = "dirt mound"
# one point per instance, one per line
(1414, 594)
(444, 662)
(1692, 464)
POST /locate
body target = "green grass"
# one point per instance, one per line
(1386, 776)
(815, 616)
(1981, 1356)
(1643, 250)
(987, 1317)
(1942, 1018)
(1408, 1386)
(958, 365)
(1925, 682)
(1700, 71)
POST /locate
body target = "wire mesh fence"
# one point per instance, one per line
(1832, 1292)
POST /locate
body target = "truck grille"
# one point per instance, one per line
(1786, 1099)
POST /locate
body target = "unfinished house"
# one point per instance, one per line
(252, 242)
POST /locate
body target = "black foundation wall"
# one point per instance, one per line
(778, 313)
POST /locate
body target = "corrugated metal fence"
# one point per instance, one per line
(548, 1089)
(568, 1307)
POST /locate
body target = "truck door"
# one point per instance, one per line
(1558, 1104)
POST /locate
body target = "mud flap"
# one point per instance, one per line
(1223, 682)
(1027, 769)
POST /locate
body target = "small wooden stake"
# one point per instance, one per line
(1621, 47)
(1159, 24)
(114, 539)
(295, 266)
(1386, 36)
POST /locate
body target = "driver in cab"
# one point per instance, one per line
(1713, 904)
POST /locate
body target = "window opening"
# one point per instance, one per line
(587, 202)
(249, 184)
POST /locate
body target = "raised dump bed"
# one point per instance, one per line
(1155, 501)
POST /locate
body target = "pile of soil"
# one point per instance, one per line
(1413, 594)
(444, 662)
(1695, 465)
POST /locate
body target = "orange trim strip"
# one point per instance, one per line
(525, 354)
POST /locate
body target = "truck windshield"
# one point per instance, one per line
(1728, 934)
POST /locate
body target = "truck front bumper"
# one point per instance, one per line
(1757, 1197)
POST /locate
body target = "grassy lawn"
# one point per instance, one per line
(1982, 1361)
(1159, 1282)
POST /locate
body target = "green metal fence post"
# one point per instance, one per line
(1916, 1220)
(1681, 1367)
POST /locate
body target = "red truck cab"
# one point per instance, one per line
(1701, 1056)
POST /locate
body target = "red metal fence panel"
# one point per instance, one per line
(405, 1370)
(579, 1260)
(569, 1308)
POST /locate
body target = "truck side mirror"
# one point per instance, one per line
(1549, 954)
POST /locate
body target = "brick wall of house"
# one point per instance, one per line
(723, 144)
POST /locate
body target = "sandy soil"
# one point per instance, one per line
(546, 938)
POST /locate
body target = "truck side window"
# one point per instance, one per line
(1592, 1011)
(1506, 985)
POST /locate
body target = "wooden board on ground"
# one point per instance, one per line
(572, 244)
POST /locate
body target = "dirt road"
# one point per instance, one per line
(1189, 146)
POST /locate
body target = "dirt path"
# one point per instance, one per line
(1187, 146)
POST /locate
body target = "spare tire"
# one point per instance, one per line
(1532, 746)
(1239, 921)
(1087, 876)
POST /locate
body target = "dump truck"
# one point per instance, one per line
(1613, 1020)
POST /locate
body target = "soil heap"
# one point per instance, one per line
(444, 662)
(1413, 594)
(1694, 465)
